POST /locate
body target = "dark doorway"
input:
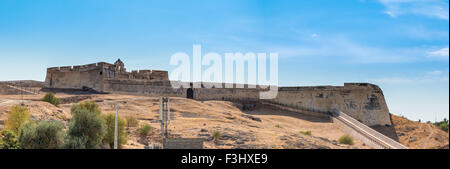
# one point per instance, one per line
(190, 93)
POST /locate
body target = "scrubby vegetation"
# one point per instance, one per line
(145, 130)
(217, 135)
(8, 140)
(346, 139)
(87, 127)
(278, 126)
(89, 106)
(308, 133)
(16, 118)
(443, 124)
(132, 121)
(110, 125)
(52, 99)
(44, 135)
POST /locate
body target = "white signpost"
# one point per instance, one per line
(116, 131)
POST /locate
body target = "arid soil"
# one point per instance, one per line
(261, 128)
(417, 135)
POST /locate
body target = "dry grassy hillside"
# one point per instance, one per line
(419, 135)
(263, 127)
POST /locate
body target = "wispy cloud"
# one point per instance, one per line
(431, 8)
(429, 77)
(353, 52)
(441, 54)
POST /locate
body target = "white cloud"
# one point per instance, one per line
(431, 8)
(434, 73)
(394, 80)
(436, 76)
(441, 54)
(314, 35)
(353, 52)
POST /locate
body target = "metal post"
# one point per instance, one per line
(161, 111)
(116, 131)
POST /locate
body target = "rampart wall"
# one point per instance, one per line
(76, 77)
(361, 101)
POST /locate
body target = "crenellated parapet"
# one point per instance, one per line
(93, 75)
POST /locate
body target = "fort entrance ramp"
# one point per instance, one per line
(364, 133)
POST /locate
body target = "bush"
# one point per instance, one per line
(8, 140)
(346, 139)
(132, 121)
(110, 125)
(278, 126)
(52, 99)
(89, 106)
(16, 118)
(145, 130)
(45, 135)
(87, 127)
(72, 142)
(217, 135)
(444, 126)
(308, 133)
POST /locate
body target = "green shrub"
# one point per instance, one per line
(16, 118)
(26, 136)
(8, 140)
(78, 142)
(145, 130)
(45, 135)
(346, 139)
(308, 133)
(52, 99)
(110, 125)
(132, 121)
(217, 135)
(444, 126)
(278, 126)
(89, 106)
(87, 127)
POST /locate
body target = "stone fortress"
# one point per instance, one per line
(359, 109)
(362, 101)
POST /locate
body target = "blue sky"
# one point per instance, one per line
(400, 45)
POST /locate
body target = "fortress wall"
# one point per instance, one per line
(233, 94)
(75, 78)
(143, 87)
(361, 101)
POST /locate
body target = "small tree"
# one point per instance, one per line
(46, 135)
(87, 127)
(16, 118)
(145, 130)
(52, 99)
(8, 140)
(346, 139)
(110, 125)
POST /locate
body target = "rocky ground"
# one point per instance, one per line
(261, 128)
(419, 135)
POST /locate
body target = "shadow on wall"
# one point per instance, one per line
(268, 110)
